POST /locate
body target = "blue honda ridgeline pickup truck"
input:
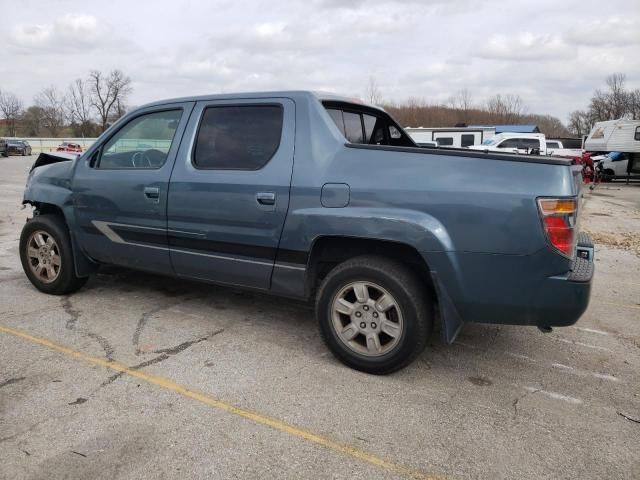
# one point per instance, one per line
(319, 197)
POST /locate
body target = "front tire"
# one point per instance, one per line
(374, 314)
(47, 257)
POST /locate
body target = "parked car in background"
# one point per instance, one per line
(319, 198)
(526, 143)
(18, 147)
(69, 147)
(615, 143)
(4, 151)
(613, 165)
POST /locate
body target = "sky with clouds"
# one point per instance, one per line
(551, 53)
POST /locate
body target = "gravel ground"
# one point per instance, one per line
(223, 384)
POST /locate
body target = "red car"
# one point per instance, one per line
(69, 147)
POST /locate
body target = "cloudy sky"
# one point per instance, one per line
(551, 53)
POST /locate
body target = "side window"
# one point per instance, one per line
(336, 116)
(444, 141)
(353, 127)
(510, 143)
(553, 145)
(467, 140)
(144, 142)
(238, 137)
(637, 136)
(374, 131)
(365, 126)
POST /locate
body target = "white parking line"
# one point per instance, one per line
(586, 345)
(555, 396)
(591, 330)
(520, 356)
(585, 373)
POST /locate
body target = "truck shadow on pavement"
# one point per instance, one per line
(277, 314)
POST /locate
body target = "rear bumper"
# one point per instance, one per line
(516, 290)
(563, 299)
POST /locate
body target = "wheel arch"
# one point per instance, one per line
(327, 251)
(83, 265)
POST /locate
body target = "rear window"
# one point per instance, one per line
(366, 127)
(238, 137)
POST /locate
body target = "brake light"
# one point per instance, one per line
(559, 216)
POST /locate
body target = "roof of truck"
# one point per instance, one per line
(322, 96)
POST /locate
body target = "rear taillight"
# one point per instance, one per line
(559, 217)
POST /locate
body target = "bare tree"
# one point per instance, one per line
(374, 95)
(78, 106)
(508, 109)
(617, 97)
(11, 107)
(106, 91)
(634, 104)
(577, 123)
(52, 103)
(462, 101)
(33, 120)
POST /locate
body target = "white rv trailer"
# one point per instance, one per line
(614, 136)
(453, 137)
(622, 136)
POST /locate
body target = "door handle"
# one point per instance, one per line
(266, 198)
(152, 193)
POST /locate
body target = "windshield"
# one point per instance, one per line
(492, 141)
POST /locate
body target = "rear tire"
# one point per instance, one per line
(374, 314)
(47, 256)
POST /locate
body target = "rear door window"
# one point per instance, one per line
(238, 137)
(353, 127)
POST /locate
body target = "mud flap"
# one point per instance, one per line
(450, 319)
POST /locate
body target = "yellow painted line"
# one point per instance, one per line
(621, 305)
(227, 407)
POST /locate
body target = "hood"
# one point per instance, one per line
(53, 157)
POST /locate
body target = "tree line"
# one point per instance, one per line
(461, 109)
(611, 104)
(85, 109)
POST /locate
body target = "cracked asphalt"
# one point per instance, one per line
(141, 376)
